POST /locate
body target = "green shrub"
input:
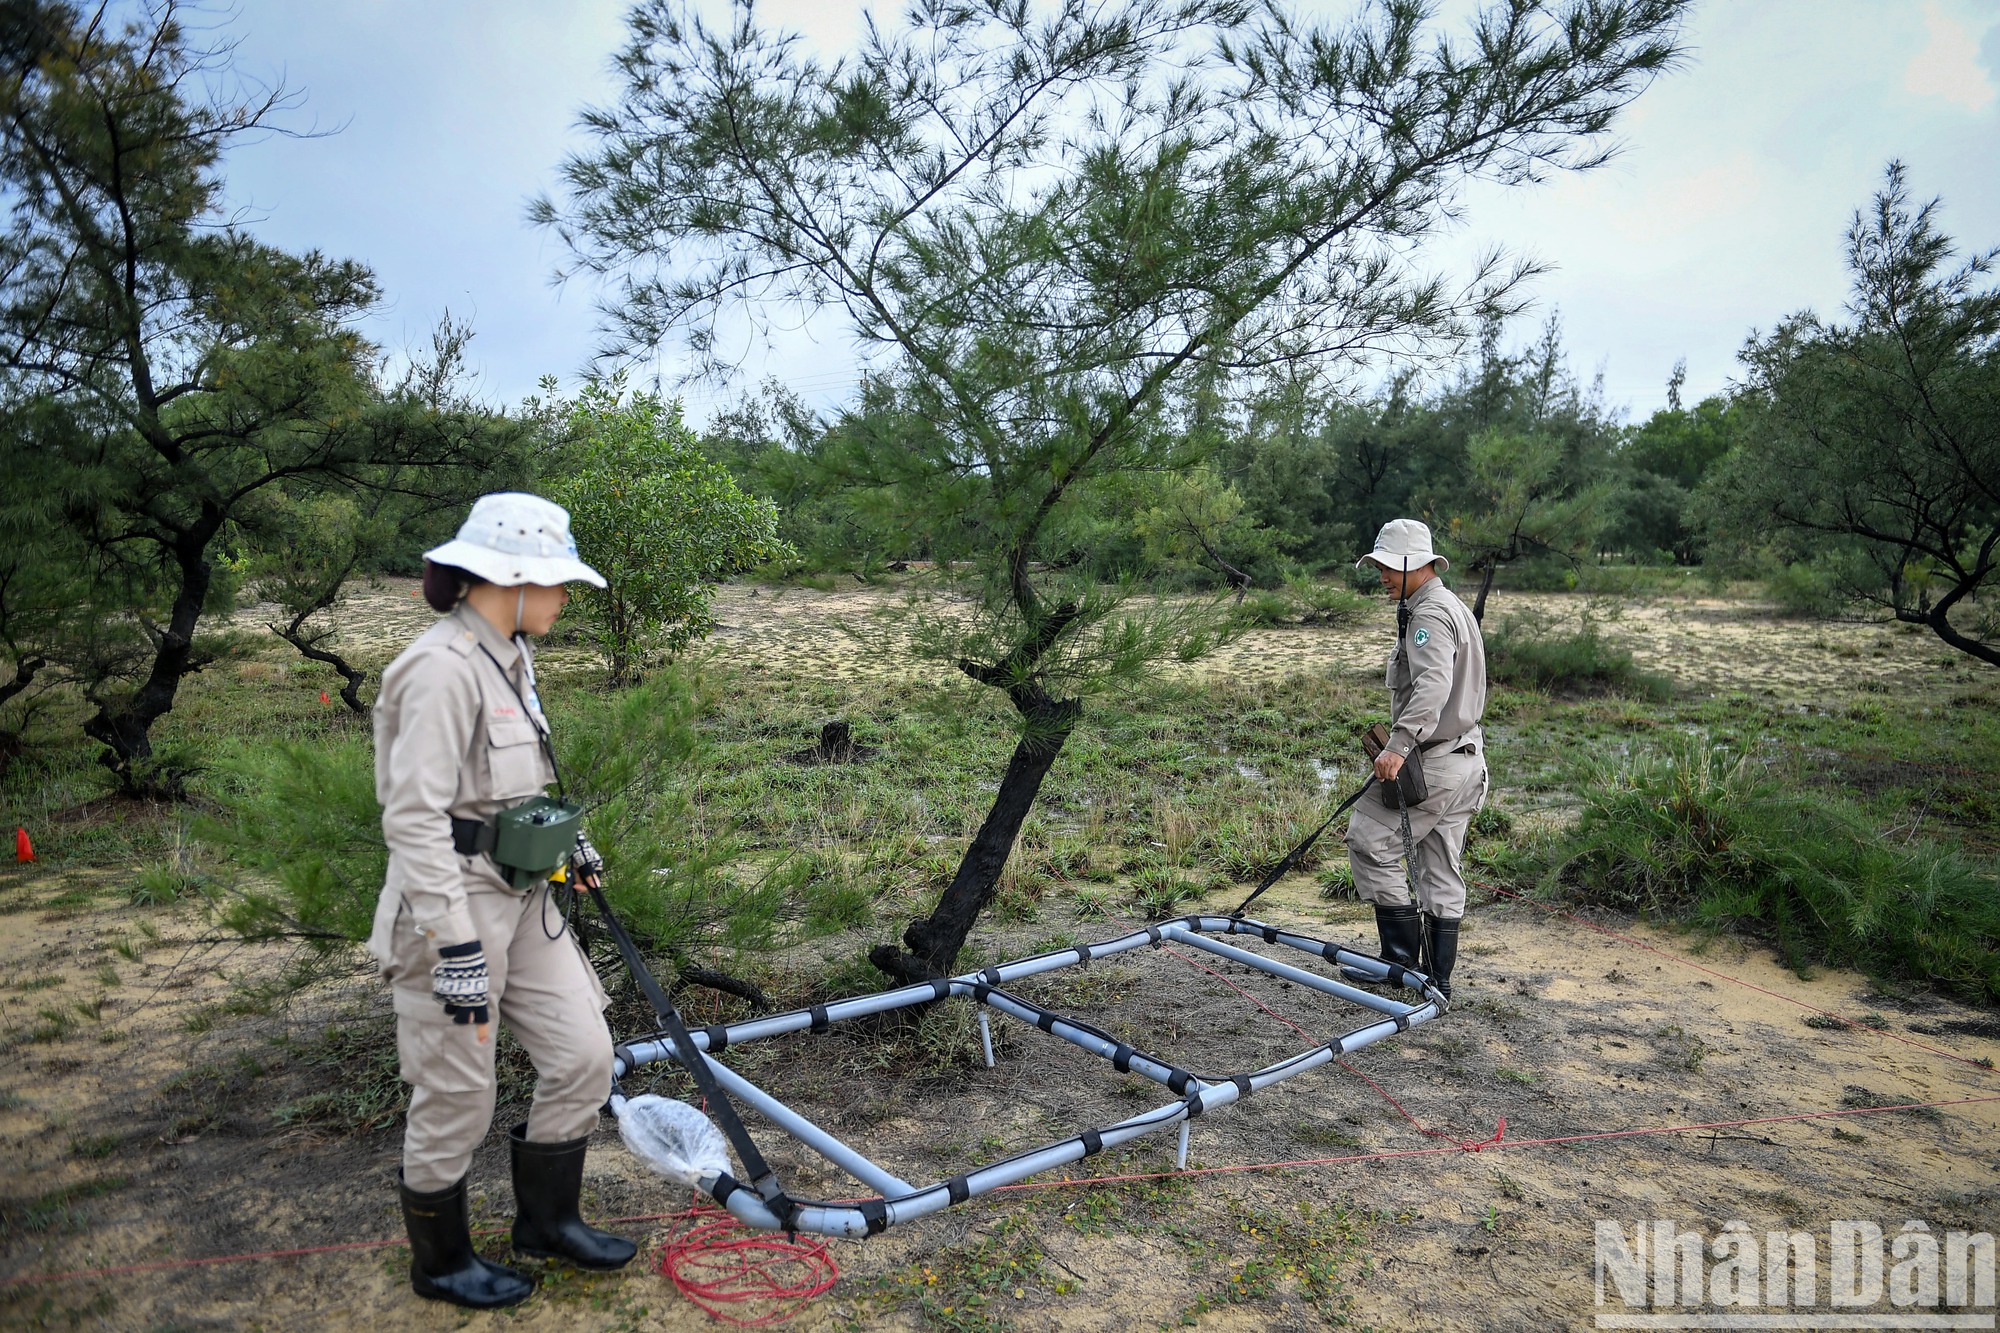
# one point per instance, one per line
(303, 815)
(1303, 601)
(1698, 834)
(1806, 590)
(1580, 662)
(160, 883)
(1324, 604)
(1160, 891)
(1267, 607)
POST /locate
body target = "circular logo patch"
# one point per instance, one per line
(1423, 637)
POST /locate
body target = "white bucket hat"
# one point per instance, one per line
(1404, 543)
(511, 538)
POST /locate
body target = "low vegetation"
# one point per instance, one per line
(727, 853)
(1701, 832)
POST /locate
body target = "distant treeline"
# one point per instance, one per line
(1511, 443)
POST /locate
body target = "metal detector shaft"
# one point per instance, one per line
(693, 1060)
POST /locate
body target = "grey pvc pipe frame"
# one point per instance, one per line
(903, 1202)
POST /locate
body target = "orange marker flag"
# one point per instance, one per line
(23, 849)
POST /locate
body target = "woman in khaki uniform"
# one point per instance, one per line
(460, 737)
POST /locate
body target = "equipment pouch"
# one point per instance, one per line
(533, 839)
(1409, 788)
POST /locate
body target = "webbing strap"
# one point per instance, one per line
(1093, 1142)
(1291, 859)
(697, 1064)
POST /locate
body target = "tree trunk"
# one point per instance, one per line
(1485, 586)
(127, 733)
(350, 693)
(934, 941)
(24, 675)
(1938, 617)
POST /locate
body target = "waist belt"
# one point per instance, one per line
(1428, 746)
(470, 837)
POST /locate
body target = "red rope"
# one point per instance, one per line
(1071, 1181)
(1495, 1142)
(715, 1267)
(709, 1232)
(1499, 1131)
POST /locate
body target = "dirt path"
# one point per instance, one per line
(142, 1122)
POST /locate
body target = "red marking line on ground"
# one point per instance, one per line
(1068, 1181)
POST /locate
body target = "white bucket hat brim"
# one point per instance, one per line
(1404, 543)
(512, 538)
(512, 570)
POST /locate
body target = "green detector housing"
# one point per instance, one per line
(533, 840)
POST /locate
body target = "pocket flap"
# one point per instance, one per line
(435, 1053)
(510, 733)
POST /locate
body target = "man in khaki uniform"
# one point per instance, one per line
(1437, 696)
(459, 737)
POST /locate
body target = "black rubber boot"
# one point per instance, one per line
(1440, 951)
(1400, 927)
(443, 1266)
(548, 1178)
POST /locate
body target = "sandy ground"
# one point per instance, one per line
(144, 1128)
(1704, 643)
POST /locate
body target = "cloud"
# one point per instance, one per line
(1949, 65)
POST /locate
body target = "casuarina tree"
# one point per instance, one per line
(1875, 444)
(159, 366)
(1040, 224)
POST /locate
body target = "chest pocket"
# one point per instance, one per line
(514, 765)
(1398, 677)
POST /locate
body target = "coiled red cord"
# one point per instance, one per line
(718, 1263)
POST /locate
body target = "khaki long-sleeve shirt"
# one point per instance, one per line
(455, 736)
(1437, 674)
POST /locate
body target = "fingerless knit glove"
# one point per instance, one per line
(586, 860)
(459, 982)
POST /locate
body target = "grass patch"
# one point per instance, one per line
(357, 1063)
(1305, 1252)
(58, 1211)
(93, 1147)
(977, 1287)
(1699, 832)
(1523, 653)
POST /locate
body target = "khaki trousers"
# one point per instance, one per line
(546, 992)
(1437, 835)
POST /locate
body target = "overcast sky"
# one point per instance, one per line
(1724, 211)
